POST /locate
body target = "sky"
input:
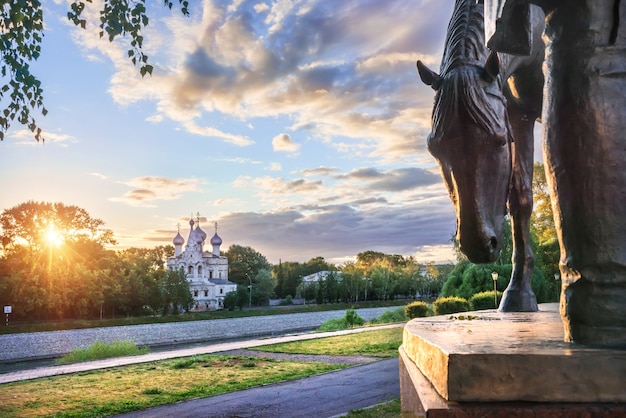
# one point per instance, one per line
(298, 126)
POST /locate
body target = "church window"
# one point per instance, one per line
(206, 293)
(190, 270)
(210, 274)
(195, 293)
(221, 290)
(199, 270)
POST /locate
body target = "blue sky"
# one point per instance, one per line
(298, 126)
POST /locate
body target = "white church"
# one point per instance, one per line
(207, 272)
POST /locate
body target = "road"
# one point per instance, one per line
(325, 395)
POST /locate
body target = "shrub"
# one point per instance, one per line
(350, 319)
(484, 300)
(452, 304)
(417, 309)
(287, 301)
(353, 319)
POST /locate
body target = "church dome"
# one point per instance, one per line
(216, 240)
(178, 239)
(200, 234)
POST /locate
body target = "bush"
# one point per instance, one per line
(484, 300)
(353, 319)
(416, 310)
(452, 304)
(287, 301)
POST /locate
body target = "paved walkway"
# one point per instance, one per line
(38, 345)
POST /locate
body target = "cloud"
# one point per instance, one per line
(342, 71)
(320, 171)
(149, 189)
(340, 230)
(283, 143)
(25, 137)
(394, 180)
(274, 167)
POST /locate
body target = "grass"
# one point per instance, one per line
(101, 350)
(381, 343)
(391, 409)
(131, 388)
(136, 387)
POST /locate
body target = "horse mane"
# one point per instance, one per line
(460, 89)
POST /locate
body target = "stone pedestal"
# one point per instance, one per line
(487, 363)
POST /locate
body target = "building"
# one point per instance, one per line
(207, 272)
(320, 275)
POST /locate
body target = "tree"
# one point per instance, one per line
(352, 282)
(22, 31)
(288, 278)
(548, 251)
(244, 263)
(175, 291)
(263, 286)
(39, 224)
(52, 253)
(236, 299)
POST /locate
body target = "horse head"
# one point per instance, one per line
(471, 141)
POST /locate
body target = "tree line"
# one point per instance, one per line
(55, 264)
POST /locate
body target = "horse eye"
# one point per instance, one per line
(501, 140)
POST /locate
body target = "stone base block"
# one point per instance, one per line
(489, 356)
(420, 399)
(489, 363)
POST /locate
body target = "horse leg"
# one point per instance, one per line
(519, 296)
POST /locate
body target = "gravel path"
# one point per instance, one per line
(38, 345)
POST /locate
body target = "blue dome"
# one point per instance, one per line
(216, 240)
(178, 239)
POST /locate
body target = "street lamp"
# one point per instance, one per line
(250, 293)
(494, 276)
(557, 276)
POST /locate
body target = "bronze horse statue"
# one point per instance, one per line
(485, 108)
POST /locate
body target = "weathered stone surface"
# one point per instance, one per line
(512, 357)
(420, 399)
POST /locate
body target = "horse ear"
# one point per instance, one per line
(491, 69)
(428, 76)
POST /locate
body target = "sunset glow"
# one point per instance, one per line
(53, 236)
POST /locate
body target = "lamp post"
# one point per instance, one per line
(494, 276)
(250, 292)
(557, 276)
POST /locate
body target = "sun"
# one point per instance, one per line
(53, 237)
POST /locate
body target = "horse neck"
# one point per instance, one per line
(465, 39)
